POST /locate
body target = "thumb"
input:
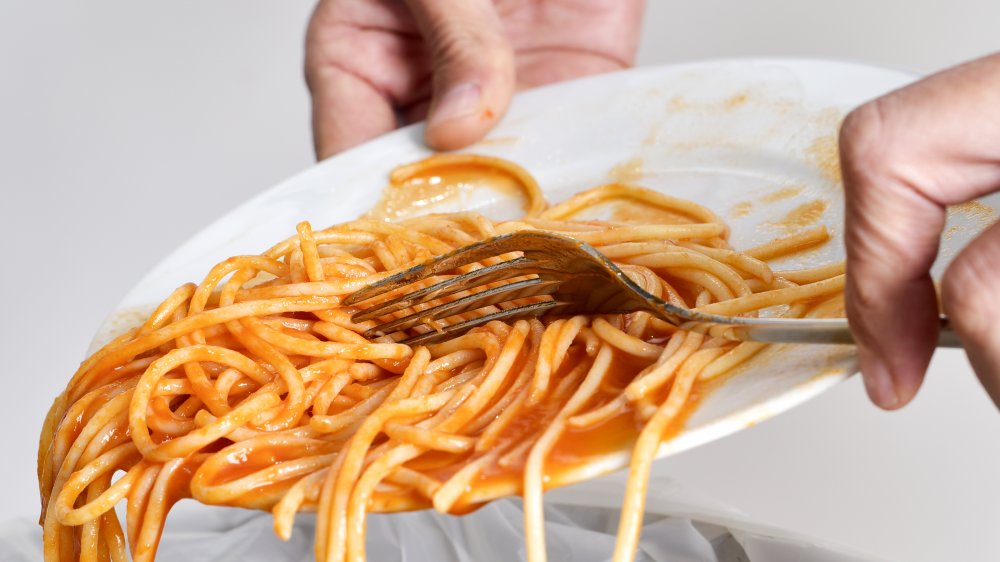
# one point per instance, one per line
(473, 62)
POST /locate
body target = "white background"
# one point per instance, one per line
(125, 127)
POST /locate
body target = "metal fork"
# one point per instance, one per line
(579, 280)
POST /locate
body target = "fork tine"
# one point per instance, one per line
(470, 280)
(496, 295)
(527, 310)
(443, 264)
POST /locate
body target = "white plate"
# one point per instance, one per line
(724, 134)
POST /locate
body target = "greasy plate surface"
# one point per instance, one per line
(754, 140)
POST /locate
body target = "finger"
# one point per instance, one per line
(891, 233)
(538, 68)
(904, 158)
(609, 40)
(363, 58)
(346, 111)
(473, 77)
(971, 298)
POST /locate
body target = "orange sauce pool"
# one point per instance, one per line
(417, 189)
(802, 216)
(630, 212)
(576, 447)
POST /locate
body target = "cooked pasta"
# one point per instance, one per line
(254, 388)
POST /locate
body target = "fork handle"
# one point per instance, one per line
(795, 330)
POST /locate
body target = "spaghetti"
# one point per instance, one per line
(255, 389)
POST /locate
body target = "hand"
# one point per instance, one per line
(905, 157)
(373, 63)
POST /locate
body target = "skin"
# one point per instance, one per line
(372, 65)
(905, 157)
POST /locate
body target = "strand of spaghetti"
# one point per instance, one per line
(90, 433)
(412, 236)
(310, 252)
(789, 244)
(65, 437)
(747, 264)
(363, 490)
(334, 288)
(644, 452)
(543, 369)
(554, 345)
(91, 542)
(832, 306)
(162, 419)
(82, 381)
(624, 342)
(534, 470)
(334, 424)
(221, 427)
(338, 483)
(288, 381)
(644, 277)
(529, 366)
(81, 479)
(166, 309)
(50, 436)
(220, 494)
(385, 465)
(148, 382)
(350, 469)
(348, 333)
(525, 439)
(567, 335)
(776, 297)
(200, 383)
(161, 497)
(743, 352)
(114, 537)
(322, 491)
(328, 391)
(814, 274)
(418, 481)
(443, 229)
(254, 263)
(597, 195)
(429, 439)
(342, 234)
(138, 499)
(296, 267)
(491, 434)
(292, 345)
(683, 344)
(283, 512)
(651, 232)
(491, 380)
(679, 258)
(709, 283)
(614, 407)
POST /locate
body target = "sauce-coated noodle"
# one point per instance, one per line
(255, 388)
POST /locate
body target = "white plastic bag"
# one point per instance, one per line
(580, 526)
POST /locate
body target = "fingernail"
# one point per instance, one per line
(878, 381)
(461, 101)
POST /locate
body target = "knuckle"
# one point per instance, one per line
(461, 45)
(864, 138)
